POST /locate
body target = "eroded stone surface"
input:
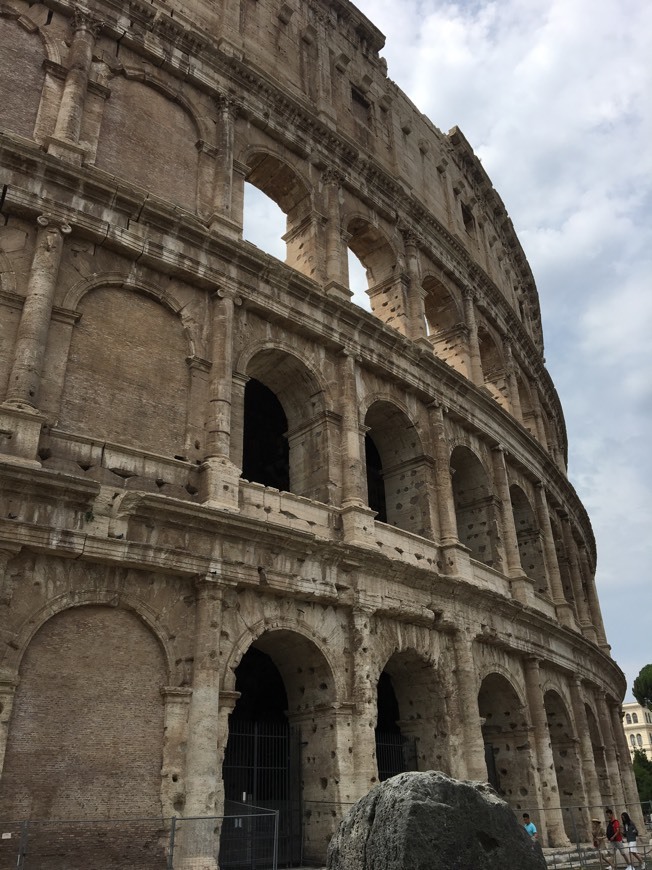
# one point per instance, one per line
(427, 821)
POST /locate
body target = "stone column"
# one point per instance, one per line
(592, 598)
(545, 760)
(564, 611)
(609, 739)
(29, 352)
(227, 112)
(357, 517)
(65, 141)
(467, 695)
(474, 344)
(576, 578)
(416, 327)
(521, 585)
(364, 696)
(632, 802)
(451, 548)
(512, 382)
(176, 700)
(221, 477)
(202, 773)
(336, 266)
(592, 786)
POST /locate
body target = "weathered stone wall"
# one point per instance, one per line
(133, 321)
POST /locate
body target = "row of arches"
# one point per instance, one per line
(90, 693)
(142, 122)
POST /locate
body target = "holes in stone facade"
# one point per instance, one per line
(530, 545)
(474, 506)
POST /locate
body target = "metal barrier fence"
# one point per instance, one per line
(244, 838)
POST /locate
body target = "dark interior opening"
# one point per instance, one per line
(375, 481)
(265, 449)
(262, 693)
(388, 714)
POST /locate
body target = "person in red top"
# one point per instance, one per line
(615, 838)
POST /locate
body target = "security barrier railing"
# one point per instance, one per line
(244, 838)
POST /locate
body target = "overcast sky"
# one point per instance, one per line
(555, 97)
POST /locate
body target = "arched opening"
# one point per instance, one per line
(530, 544)
(285, 432)
(385, 284)
(86, 733)
(282, 185)
(375, 483)
(562, 560)
(474, 507)
(412, 727)
(527, 408)
(263, 222)
(599, 758)
(395, 468)
(493, 367)
(446, 329)
(358, 282)
(282, 722)
(265, 450)
(506, 733)
(567, 766)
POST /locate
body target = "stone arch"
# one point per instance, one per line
(396, 472)
(108, 598)
(287, 187)
(562, 560)
(86, 733)
(129, 353)
(493, 365)
(386, 282)
(19, 36)
(8, 322)
(303, 445)
(420, 732)
(568, 771)
(143, 110)
(475, 506)
(530, 543)
(445, 324)
(506, 730)
(527, 404)
(297, 668)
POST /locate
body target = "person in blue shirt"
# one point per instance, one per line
(530, 827)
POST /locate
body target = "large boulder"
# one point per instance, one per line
(428, 821)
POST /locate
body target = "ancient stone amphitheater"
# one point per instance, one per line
(256, 542)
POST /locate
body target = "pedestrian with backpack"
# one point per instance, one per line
(630, 833)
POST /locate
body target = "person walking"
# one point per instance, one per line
(630, 833)
(615, 838)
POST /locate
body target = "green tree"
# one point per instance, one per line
(643, 774)
(642, 688)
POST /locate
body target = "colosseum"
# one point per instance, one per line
(258, 543)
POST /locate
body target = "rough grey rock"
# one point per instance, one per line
(427, 821)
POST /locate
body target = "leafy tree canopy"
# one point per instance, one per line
(642, 688)
(643, 773)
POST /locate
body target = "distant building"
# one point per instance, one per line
(638, 728)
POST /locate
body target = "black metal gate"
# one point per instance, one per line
(394, 754)
(262, 767)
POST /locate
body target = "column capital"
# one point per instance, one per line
(228, 105)
(227, 293)
(55, 223)
(333, 176)
(82, 19)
